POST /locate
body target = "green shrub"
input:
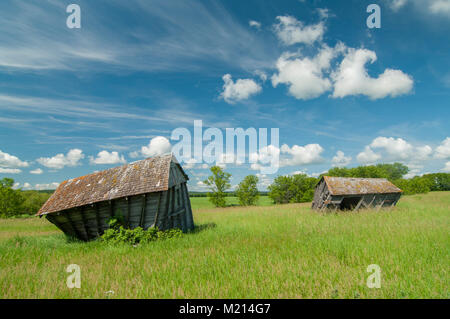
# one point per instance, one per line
(390, 171)
(11, 199)
(247, 191)
(416, 185)
(117, 233)
(298, 188)
(218, 183)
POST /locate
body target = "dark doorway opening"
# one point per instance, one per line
(350, 203)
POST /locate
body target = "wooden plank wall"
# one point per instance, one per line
(165, 210)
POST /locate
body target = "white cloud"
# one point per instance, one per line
(301, 155)
(414, 170)
(305, 76)
(263, 181)
(202, 32)
(443, 150)
(10, 170)
(263, 76)
(158, 145)
(240, 90)
(394, 149)
(27, 185)
(105, 157)
(318, 174)
(291, 31)
(397, 148)
(396, 4)
(266, 159)
(53, 185)
(340, 160)
(59, 161)
(37, 171)
(422, 153)
(446, 169)
(10, 161)
(368, 156)
(299, 173)
(440, 7)
(434, 7)
(352, 78)
(254, 24)
(190, 163)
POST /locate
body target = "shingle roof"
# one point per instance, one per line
(146, 176)
(359, 186)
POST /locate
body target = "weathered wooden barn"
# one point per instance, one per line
(147, 193)
(354, 193)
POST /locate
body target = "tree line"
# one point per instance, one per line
(15, 202)
(299, 188)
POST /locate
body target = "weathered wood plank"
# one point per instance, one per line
(157, 209)
(144, 210)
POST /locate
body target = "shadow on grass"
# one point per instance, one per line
(203, 227)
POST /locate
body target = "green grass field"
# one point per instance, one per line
(277, 251)
(203, 202)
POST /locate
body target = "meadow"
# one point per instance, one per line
(267, 251)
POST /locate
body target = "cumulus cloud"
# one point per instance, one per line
(254, 24)
(263, 76)
(51, 186)
(446, 168)
(340, 160)
(394, 149)
(266, 159)
(301, 155)
(396, 4)
(190, 163)
(292, 31)
(158, 145)
(240, 90)
(435, 7)
(11, 161)
(59, 161)
(105, 157)
(228, 158)
(303, 75)
(37, 171)
(352, 78)
(440, 7)
(443, 150)
(10, 170)
(368, 156)
(304, 172)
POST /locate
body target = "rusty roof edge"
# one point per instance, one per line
(44, 211)
(330, 187)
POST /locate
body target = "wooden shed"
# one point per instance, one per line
(147, 193)
(345, 193)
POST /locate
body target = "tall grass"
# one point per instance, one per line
(279, 251)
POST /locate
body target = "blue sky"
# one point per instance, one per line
(340, 93)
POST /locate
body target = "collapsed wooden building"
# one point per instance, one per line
(146, 193)
(345, 193)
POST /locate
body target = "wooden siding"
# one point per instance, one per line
(164, 209)
(324, 199)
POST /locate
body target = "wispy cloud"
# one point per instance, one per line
(34, 37)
